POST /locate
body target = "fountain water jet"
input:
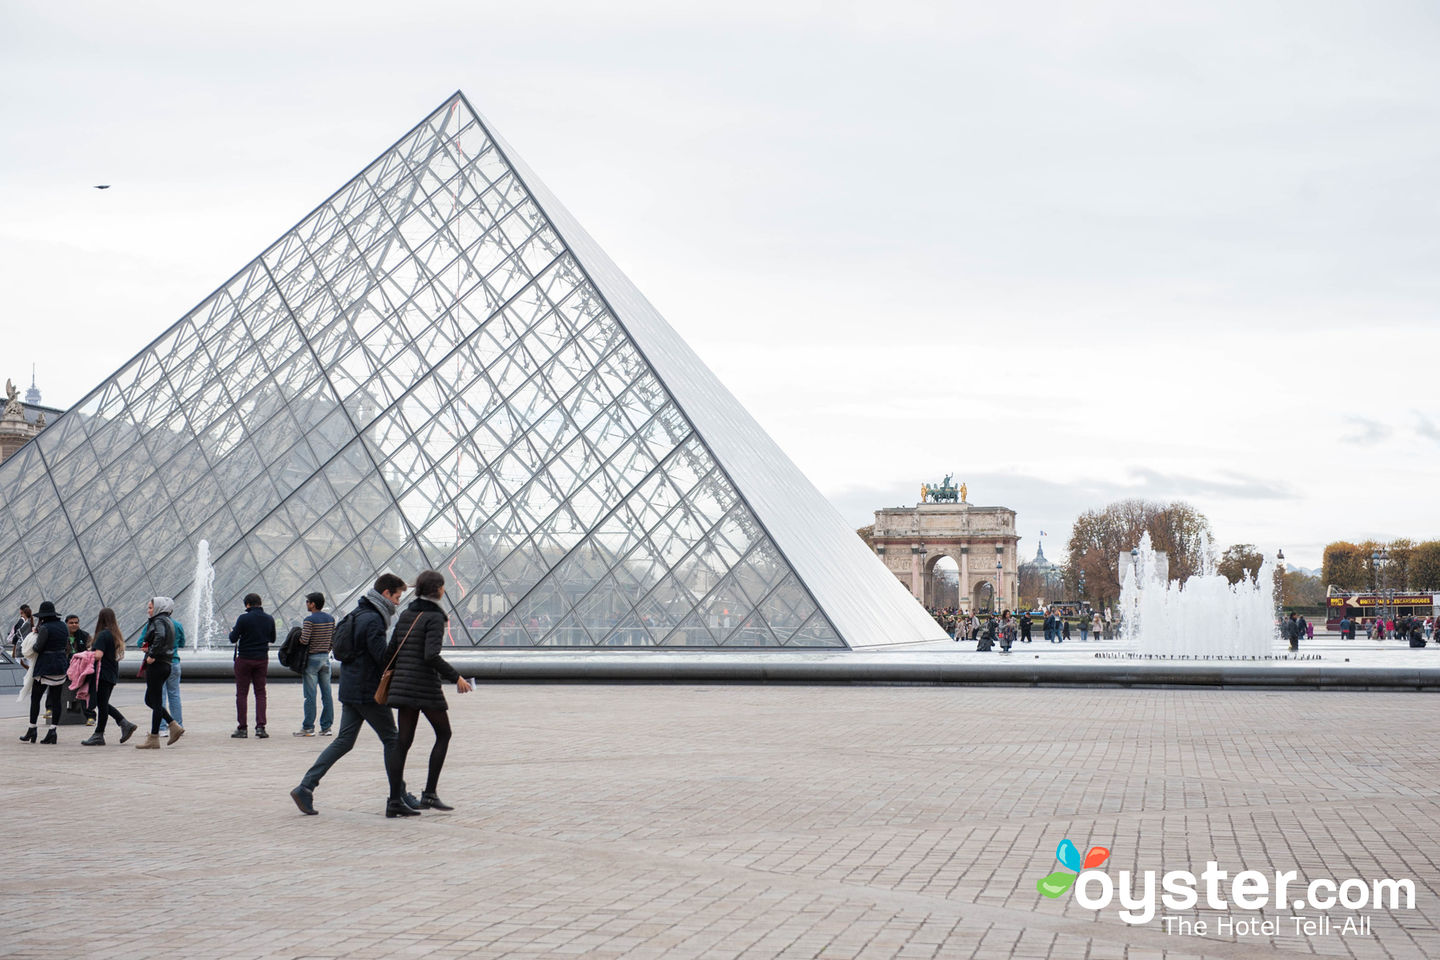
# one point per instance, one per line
(202, 600)
(1207, 616)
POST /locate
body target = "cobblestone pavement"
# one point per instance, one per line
(724, 821)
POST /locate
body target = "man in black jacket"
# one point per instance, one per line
(253, 634)
(80, 640)
(358, 680)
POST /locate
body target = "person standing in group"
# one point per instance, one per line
(160, 633)
(1084, 628)
(80, 643)
(108, 645)
(315, 633)
(1064, 628)
(1096, 626)
(253, 633)
(414, 653)
(359, 676)
(21, 629)
(1007, 633)
(52, 654)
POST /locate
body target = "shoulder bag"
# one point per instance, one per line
(382, 690)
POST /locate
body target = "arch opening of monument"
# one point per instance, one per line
(982, 598)
(942, 583)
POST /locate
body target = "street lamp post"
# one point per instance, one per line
(1380, 559)
(998, 568)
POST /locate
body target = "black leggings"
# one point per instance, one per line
(103, 708)
(155, 676)
(51, 694)
(407, 719)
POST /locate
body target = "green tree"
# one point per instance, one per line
(1099, 537)
(1237, 560)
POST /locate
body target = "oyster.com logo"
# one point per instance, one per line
(1068, 854)
(1174, 897)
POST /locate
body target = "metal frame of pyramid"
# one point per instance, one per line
(438, 368)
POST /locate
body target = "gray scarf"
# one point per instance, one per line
(382, 603)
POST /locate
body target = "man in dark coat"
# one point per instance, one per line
(252, 635)
(358, 680)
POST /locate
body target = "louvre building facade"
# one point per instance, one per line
(437, 368)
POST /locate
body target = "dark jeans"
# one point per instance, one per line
(352, 715)
(51, 696)
(103, 708)
(155, 676)
(249, 672)
(409, 718)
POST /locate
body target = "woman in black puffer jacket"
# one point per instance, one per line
(52, 656)
(414, 651)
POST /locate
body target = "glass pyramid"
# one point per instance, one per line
(438, 368)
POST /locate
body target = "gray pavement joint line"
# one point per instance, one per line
(614, 850)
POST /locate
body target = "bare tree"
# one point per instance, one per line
(1099, 537)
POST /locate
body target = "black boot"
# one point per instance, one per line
(29, 737)
(398, 808)
(260, 733)
(429, 801)
(50, 736)
(94, 740)
(127, 729)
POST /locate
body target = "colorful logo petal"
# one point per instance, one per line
(1067, 855)
(1095, 857)
(1056, 884)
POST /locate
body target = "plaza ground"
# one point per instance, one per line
(722, 821)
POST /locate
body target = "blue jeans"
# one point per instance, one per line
(317, 672)
(172, 694)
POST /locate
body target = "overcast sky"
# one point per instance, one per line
(1069, 252)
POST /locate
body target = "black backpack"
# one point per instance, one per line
(345, 644)
(292, 653)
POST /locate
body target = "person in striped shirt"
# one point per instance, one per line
(316, 632)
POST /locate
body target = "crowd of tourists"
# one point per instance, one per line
(391, 674)
(988, 630)
(1416, 630)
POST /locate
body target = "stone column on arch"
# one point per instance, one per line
(965, 578)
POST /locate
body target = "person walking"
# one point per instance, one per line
(316, 631)
(1096, 626)
(1064, 629)
(1025, 627)
(52, 655)
(172, 685)
(414, 653)
(1084, 628)
(109, 646)
(253, 633)
(160, 632)
(358, 679)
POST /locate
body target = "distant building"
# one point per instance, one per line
(981, 540)
(22, 420)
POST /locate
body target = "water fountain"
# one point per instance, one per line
(202, 600)
(1206, 617)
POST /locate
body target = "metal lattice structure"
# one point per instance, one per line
(437, 368)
